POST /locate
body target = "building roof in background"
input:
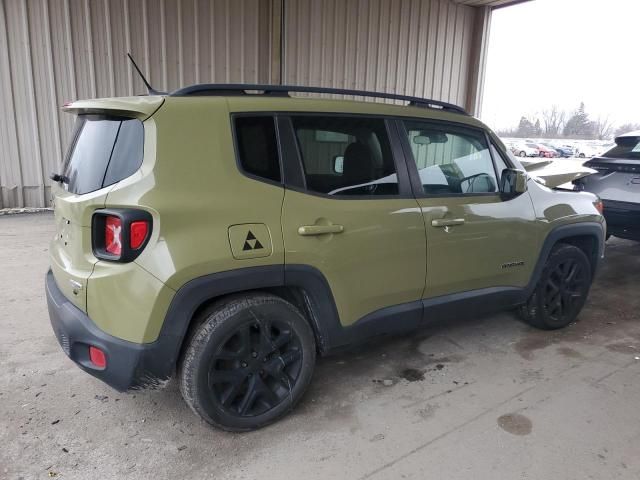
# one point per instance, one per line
(490, 3)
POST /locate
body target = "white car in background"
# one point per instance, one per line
(590, 151)
(617, 183)
(522, 150)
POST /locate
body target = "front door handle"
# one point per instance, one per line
(447, 222)
(307, 230)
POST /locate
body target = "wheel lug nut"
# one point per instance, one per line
(254, 354)
(244, 364)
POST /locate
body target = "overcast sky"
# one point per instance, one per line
(563, 52)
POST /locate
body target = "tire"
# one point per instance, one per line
(248, 362)
(523, 153)
(581, 155)
(561, 291)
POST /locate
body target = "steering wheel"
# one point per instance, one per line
(470, 179)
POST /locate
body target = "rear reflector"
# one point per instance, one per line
(97, 357)
(138, 233)
(113, 235)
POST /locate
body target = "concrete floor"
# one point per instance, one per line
(481, 398)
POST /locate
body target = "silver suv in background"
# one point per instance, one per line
(617, 183)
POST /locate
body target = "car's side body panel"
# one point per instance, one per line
(497, 246)
(377, 261)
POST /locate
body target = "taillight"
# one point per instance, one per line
(138, 235)
(599, 206)
(113, 235)
(120, 234)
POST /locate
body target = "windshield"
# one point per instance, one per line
(104, 151)
(627, 147)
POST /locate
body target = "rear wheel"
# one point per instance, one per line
(561, 291)
(248, 363)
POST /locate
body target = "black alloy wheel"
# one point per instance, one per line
(562, 289)
(255, 368)
(248, 361)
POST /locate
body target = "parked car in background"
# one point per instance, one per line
(617, 182)
(588, 151)
(565, 151)
(542, 150)
(523, 150)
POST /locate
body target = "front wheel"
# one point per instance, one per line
(561, 291)
(248, 363)
(523, 154)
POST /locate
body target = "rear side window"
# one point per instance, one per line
(346, 155)
(105, 150)
(258, 146)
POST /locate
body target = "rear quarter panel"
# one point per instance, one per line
(191, 185)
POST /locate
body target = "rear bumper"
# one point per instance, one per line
(623, 219)
(129, 365)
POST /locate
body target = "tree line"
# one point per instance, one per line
(557, 123)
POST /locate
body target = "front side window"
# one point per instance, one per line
(258, 146)
(451, 161)
(345, 155)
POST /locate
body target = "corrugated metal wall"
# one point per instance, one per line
(413, 47)
(52, 51)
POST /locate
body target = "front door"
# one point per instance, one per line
(475, 240)
(353, 217)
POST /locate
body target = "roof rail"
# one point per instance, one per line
(205, 89)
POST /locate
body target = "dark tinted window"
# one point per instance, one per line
(346, 155)
(105, 151)
(258, 147)
(626, 147)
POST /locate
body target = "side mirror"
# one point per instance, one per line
(338, 164)
(512, 183)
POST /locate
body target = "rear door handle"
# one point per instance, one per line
(447, 222)
(307, 230)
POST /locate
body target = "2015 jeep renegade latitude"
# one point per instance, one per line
(230, 237)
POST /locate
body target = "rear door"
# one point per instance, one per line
(475, 240)
(349, 212)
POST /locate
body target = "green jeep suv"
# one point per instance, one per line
(227, 235)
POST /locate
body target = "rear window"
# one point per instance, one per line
(627, 147)
(258, 146)
(104, 151)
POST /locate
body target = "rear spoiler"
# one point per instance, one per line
(136, 107)
(624, 165)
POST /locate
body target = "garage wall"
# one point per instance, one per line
(412, 47)
(53, 51)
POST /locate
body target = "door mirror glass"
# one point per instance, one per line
(338, 164)
(513, 182)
